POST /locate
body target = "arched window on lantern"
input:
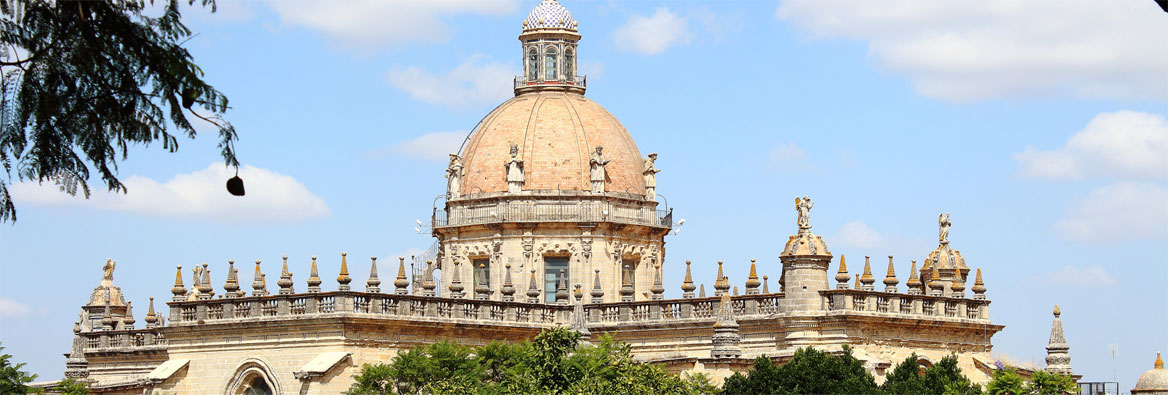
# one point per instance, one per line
(532, 64)
(569, 65)
(549, 64)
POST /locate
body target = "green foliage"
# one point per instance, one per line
(906, 378)
(1006, 382)
(71, 386)
(945, 377)
(553, 363)
(82, 80)
(1046, 383)
(810, 371)
(942, 378)
(12, 379)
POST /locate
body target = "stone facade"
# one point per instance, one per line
(527, 241)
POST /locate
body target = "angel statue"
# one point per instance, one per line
(514, 168)
(108, 276)
(454, 177)
(944, 224)
(803, 207)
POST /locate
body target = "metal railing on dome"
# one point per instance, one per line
(551, 211)
(522, 81)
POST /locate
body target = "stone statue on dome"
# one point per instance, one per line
(598, 175)
(651, 177)
(514, 166)
(108, 277)
(454, 177)
(944, 224)
(803, 207)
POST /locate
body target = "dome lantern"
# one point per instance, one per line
(549, 51)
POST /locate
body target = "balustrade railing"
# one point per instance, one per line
(876, 302)
(497, 211)
(125, 340)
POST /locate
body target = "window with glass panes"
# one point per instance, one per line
(482, 271)
(551, 275)
(549, 64)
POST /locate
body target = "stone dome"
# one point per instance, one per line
(98, 296)
(556, 133)
(805, 243)
(1154, 381)
(549, 14)
(946, 258)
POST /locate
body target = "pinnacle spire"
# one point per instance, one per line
(343, 279)
(428, 285)
(400, 283)
(456, 286)
(726, 337)
(508, 289)
(232, 285)
(205, 290)
(128, 321)
(936, 287)
(313, 277)
(372, 285)
(915, 287)
(687, 286)
(867, 279)
(1159, 362)
(562, 289)
(978, 286)
(890, 280)
(258, 285)
(179, 289)
(752, 282)
(482, 287)
(842, 277)
(597, 292)
(1057, 359)
(626, 289)
(702, 290)
(721, 284)
(658, 289)
(765, 286)
(285, 281)
(532, 289)
(958, 284)
(151, 317)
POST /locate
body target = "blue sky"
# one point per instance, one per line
(1040, 126)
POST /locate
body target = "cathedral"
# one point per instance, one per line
(550, 218)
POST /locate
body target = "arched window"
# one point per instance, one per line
(253, 377)
(549, 64)
(569, 65)
(258, 386)
(532, 64)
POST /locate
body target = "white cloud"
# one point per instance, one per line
(789, 155)
(968, 50)
(271, 197)
(1122, 144)
(435, 146)
(1073, 276)
(1120, 211)
(478, 80)
(12, 309)
(653, 34)
(857, 235)
(383, 23)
